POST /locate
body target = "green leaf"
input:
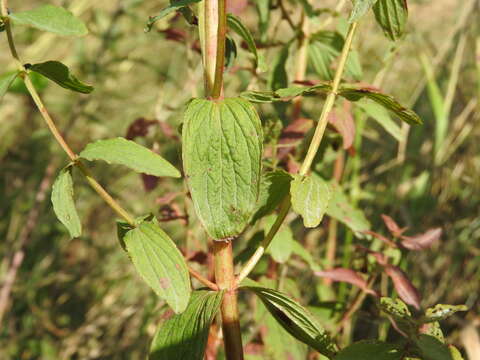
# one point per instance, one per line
(305, 255)
(285, 94)
(433, 329)
(360, 8)
(432, 349)
(392, 16)
(230, 51)
(63, 203)
(274, 187)
(236, 25)
(310, 196)
(369, 350)
(5, 81)
(159, 263)
(125, 152)
(455, 353)
(395, 307)
(60, 74)
(387, 101)
(39, 82)
(442, 311)
(184, 336)
(263, 9)
(222, 150)
(51, 18)
(340, 208)
(278, 77)
(174, 6)
(382, 117)
(295, 319)
(281, 246)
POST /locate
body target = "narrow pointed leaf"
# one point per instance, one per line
(360, 8)
(5, 81)
(346, 275)
(392, 16)
(222, 149)
(310, 196)
(159, 263)
(126, 152)
(422, 241)
(184, 336)
(51, 18)
(295, 319)
(174, 6)
(63, 202)
(60, 74)
(369, 350)
(403, 286)
(236, 25)
(387, 101)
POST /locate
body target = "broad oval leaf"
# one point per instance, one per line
(126, 152)
(63, 202)
(60, 74)
(184, 336)
(387, 101)
(295, 319)
(392, 16)
(369, 350)
(222, 149)
(310, 196)
(236, 25)
(51, 18)
(360, 8)
(160, 263)
(5, 81)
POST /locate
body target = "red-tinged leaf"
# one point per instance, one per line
(343, 122)
(381, 258)
(167, 198)
(348, 276)
(381, 237)
(292, 135)
(139, 128)
(403, 286)
(422, 241)
(150, 182)
(392, 225)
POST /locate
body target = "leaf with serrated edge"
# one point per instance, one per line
(222, 149)
(295, 319)
(160, 263)
(5, 81)
(61, 75)
(310, 196)
(184, 336)
(51, 18)
(63, 203)
(128, 153)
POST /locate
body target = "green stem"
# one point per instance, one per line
(225, 278)
(312, 151)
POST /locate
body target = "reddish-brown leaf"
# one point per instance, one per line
(348, 276)
(293, 134)
(342, 121)
(422, 241)
(139, 128)
(392, 225)
(404, 287)
(150, 182)
(381, 237)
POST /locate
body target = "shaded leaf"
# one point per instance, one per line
(125, 152)
(295, 319)
(369, 350)
(5, 81)
(278, 76)
(360, 8)
(403, 286)
(51, 18)
(346, 275)
(340, 209)
(281, 246)
(342, 121)
(236, 25)
(382, 117)
(422, 241)
(392, 16)
(274, 186)
(174, 6)
(310, 196)
(63, 202)
(222, 150)
(230, 51)
(184, 336)
(305, 255)
(387, 101)
(60, 74)
(432, 349)
(159, 263)
(442, 311)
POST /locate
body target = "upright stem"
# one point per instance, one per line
(312, 151)
(225, 278)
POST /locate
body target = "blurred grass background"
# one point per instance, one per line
(80, 299)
